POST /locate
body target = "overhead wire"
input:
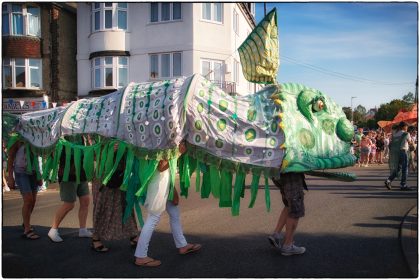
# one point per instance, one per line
(340, 75)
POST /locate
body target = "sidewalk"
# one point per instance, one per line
(409, 239)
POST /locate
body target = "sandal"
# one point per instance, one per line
(101, 248)
(31, 235)
(192, 248)
(133, 242)
(150, 262)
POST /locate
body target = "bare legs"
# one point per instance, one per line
(290, 223)
(29, 200)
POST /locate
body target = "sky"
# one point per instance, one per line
(363, 50)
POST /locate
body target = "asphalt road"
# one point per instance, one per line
(350, 230)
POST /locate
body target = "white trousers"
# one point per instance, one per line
(150, 225)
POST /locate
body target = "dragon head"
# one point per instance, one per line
(316, 130)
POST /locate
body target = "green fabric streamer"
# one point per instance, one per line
(97, 150)
(77, 162)
(88, 162)
(254, 189)
(56, 161)
(131, 198)
(67, 165)
(225, 189)
(239, 186)
(188, 167)
(183, 172)
(12, 140)
(128, 169)
(120, 152)
(206, 184)
(197, 177)
(146, 170)
(36, 167)
(102, 160)
(215, 181)
(172, 174)
(109, 159)
(267, 195)
(46, 168)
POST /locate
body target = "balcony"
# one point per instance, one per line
(226, 86)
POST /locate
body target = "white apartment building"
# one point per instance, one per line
(118, 43)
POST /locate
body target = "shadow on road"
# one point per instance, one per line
(244, 256)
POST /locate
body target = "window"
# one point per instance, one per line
(212, 11)
(109, 16)
(212, 70)
(110, 72)
(165, 65)
(235, 22)
(166, 11)
(22, 73)
(21, 19)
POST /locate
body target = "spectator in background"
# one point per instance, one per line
(386, 146)
(365, 147)
(398, 160)
(372, 155)
(379, 148)
(412, 166)
(357, 140)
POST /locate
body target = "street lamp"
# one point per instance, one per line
(351, 102)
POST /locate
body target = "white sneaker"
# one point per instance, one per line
(83, 232)
(6, 189)
(54, 235)
(292, 250)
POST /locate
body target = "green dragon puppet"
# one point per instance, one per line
(282, 128)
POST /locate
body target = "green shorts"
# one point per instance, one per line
(69, 190)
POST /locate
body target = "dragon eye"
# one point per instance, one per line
(318, 106)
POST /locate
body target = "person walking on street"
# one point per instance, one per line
(157, 202)
(291, 187)
(398, 160)
(68, 192)
(108, 211)
(27, 182)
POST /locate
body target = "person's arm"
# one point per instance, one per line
(163, 165)
(10, 162)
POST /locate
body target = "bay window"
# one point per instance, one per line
(22, 73)
(109, 16)
(21, 19)
(109, 72)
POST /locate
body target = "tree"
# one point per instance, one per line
(359, 119)
(361, 110)
(388, 111)
(372, 124)
(347, 111)
(408, 98)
